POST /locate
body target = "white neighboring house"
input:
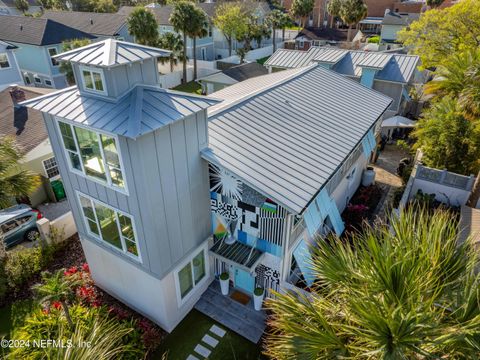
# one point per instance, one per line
(9, 71)
(155, 183)
(392, 23)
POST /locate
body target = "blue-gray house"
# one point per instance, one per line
(169, 189)
(37, 41)
(9, 70)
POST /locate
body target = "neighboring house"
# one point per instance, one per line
(309, 37)
(371, 25)
(154, 187)
(211, 47)
(8, 7)
(389, 73)
(26, 126)
(9, 70)
(394, 22)
(219, 80)
(37, 41)
(100, 25)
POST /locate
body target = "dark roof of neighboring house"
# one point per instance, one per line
(393, 18)
(326, 34)
(25, 125)
(92, 23)
(37, 31)
(162, 13)
(246, 71)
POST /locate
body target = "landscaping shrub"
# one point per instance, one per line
(368, 196)
(374, 39)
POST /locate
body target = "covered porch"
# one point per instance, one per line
(238, 317)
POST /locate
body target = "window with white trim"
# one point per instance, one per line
(51, 167)
(37, 79)
(4, 64)
(93, 80)
(109, 225)
(48, 82)
(191, 274)
(93, 154)
(52, 52)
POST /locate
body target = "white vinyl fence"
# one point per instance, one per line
(65, 226)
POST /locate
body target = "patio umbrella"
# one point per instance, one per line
(398, 122)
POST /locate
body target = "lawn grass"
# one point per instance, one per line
(191, 87)
(13, 316)
(181, 342)
(263, 60)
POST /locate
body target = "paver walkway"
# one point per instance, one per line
(208, 344)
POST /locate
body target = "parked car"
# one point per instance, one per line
(19, 223)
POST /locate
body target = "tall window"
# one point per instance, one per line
(109, 225)
(93, 80)
(52, 52)
(95, 155)
(191, 274)
(4, 64)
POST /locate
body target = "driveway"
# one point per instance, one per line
(54, 210)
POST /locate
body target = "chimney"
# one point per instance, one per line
(91, 21)
(17, 95)
(387, 11)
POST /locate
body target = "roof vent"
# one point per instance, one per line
(91, 21)
(21, 27)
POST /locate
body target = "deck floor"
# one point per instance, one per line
(242, 319)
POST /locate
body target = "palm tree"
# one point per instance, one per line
(302, 9)
(57, 287)
(275, 20)
(351, 13)
(22, 5)
(143, 26)
(333, 9)
(14, 181)
(406, 290)
(172, 42)
(190, 20)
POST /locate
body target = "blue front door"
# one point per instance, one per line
(244, 280)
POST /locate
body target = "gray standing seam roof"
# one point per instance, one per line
(144, 109)
(391, 67)
(287, 140)
(111, 52)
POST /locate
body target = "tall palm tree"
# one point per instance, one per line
(275, 20)
(406, 290)
(351, 13)
(333, 9)
(302, 9)
(173, 42)
(14, 181)
(191, 21)
(143, 26)
(57, 287)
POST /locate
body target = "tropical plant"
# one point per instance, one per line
(22, 5)
(172, 42)
(232, 20)
(143, 26)
(103, 6)
(447, 139)
(57, 287)
(302, 9)
(440, 33)
(333, 9)
(66, 66)
(276, 20)
(406, 290)
(14, 180)
(351, 13)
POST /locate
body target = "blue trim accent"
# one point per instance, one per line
(304, 261)
(368, 75)
(314, 218)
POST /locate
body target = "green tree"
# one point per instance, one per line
(302, 9)
(333, 9)
(143, 26)
(406, 290)
(103, 6)
(65, 66)
(447, 139)
(172, 42)
(440, 33)
(22, 5)
(231, 19)
(434, 3)
(14, 180)
(57, 287)
(351, 13)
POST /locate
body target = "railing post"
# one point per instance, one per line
(442, 176)
(471, 180)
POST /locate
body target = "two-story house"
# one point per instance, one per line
(9, 70)
(37, 41)
(393, 22)
(389, 73)
(157, 186)
(100, 25)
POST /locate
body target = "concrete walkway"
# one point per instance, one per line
(386, 176)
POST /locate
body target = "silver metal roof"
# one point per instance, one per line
(142, 110)
(391, 67)
(111, 52)
(286, 140)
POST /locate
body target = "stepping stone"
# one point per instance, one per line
(210, 340)
(191, 357)
(202, 350)
(217, 331)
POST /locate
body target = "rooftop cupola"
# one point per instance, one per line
(110, 68)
